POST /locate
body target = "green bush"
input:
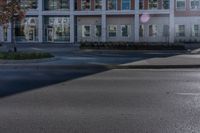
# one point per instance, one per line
(130, 46)
(23, 55)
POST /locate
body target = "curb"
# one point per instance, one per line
(158, 66)
(21, 62)
(95, 66)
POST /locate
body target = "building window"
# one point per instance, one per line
(98, 30)
(180, 4)
(57, 29)
(153, 4)
(98, 4)
(56, 4)
(194, 4)
(152, 30)
(180, 30)
(165, 4)
(112, 30)
(141, 30)
(141, 4)
(112, 4)
(165, 30)
(85, 4)
(195, 30)
(85, 31)
(126, 4)
(29, 4)
(27, 30)
(125, 30)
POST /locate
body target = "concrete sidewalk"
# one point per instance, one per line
(178, 61)
(73, 57)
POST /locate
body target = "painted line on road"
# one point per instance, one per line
(189, 94)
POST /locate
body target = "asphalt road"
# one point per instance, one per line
(14, 81)
(114, 101)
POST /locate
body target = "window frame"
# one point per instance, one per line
(96, 3)
(164, 6)
(193, 29)
(109, 30)
(179, 9)
(85, 9)
(46, 7)
(153, 34)
(122, 6)
(178, 33)
(115, 5)
(83, 32)
(128, 30)
(96, 30)
(141, 25)
(27, 2)
(194, 8)
(142, 5)
(152, 8)
(165, 34)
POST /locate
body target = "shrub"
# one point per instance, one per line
(23, 55)
(130, 46)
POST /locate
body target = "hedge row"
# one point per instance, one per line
(23, 55)
(130, 46)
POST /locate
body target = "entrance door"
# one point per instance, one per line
(50, 34)
(31, 35)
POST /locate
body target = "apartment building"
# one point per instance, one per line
(69, 21)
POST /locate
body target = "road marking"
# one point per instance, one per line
(189, 94)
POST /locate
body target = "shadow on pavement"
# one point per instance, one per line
(19, 81)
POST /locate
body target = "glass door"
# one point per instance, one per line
(31, 34)
(50, 34)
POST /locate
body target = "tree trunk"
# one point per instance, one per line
(13, 40)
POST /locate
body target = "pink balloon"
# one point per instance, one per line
(145, 18)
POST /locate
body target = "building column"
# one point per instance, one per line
(40, 21)
(171, 22)
(103, 22)
(9, 33)
(103, 27)
(136, 21)
(72, 28)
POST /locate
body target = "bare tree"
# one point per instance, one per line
(11, 12)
